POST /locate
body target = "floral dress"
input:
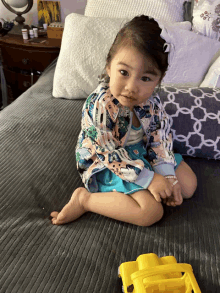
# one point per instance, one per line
(102, 146)
(136, 148)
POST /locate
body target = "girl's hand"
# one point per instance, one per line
(160, 187)
(176, 197)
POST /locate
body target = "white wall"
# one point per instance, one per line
(67, 7)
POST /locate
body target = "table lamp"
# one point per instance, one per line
(10, 5)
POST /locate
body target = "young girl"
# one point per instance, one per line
(124, 151)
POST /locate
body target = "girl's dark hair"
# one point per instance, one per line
(143, 33)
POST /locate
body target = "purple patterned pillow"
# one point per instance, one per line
(195, 114)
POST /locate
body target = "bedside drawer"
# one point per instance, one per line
(24, 81)
(21, 81)
(25, 59)
(10, 76)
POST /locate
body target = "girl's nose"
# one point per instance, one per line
(132, 86)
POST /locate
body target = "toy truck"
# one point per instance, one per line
(151, 274)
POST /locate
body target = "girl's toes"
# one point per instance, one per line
(58, 221)
(54, 214)
(54, 221)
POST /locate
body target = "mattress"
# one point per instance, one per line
(38, 175)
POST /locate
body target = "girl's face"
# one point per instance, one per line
(133, 77)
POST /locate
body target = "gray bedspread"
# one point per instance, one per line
(38, 174)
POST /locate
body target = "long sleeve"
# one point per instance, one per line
(103, 135)
(160, 148)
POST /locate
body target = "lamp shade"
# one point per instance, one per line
(17, 3)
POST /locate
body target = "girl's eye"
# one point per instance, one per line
(145, 78)
(124, 72)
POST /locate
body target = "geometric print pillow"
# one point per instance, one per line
(195, 115)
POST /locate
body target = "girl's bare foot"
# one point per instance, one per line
(72, 210)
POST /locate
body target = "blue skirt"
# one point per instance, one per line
(107, 181)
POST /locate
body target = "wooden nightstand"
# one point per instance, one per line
(24, 62)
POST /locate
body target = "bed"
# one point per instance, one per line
(38, 133)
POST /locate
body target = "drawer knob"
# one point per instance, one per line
(25, 61)
(26, 84)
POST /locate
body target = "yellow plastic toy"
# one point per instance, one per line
(151, 274)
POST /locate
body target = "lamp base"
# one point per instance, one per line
(16, 30)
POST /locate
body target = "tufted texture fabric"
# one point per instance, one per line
(172, 11)
(38, 174)
(196, 120)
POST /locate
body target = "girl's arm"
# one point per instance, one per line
(160, 148)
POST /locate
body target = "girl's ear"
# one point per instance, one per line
(108, 70)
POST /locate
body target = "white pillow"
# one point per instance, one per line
(85, 45)
(87, 40)
(190, 58)
(212, 78)
(169, 10)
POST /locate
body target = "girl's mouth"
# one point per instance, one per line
(129, 98)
